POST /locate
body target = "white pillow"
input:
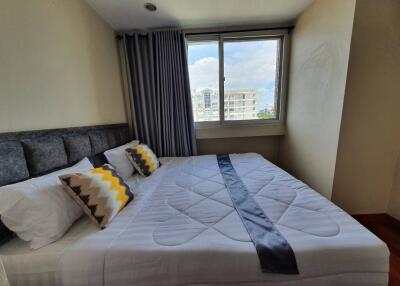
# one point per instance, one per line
(119, 160)
(39, 210)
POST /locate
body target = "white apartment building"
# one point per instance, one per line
(240, 104)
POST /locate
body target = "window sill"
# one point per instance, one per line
(240, 131)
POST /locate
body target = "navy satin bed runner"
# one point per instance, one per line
(274, 252)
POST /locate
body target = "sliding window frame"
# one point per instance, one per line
(282, 74)
(215, 38)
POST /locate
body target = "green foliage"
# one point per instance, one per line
(265, 115)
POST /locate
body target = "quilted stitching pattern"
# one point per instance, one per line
(201, 202)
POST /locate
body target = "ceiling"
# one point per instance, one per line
(130, 14)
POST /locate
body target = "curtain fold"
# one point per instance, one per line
(159, 91)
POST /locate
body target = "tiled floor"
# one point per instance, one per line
(387, 229)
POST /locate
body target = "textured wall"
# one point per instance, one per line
(59, 66)
(367, 169)
(317, 78)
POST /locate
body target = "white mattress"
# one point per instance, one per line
(188, 233)
(181, 229)
(38, 267)
(24, 266)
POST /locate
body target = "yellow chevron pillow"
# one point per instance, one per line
(100, 192)
(143, 159)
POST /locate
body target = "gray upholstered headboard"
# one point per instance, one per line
(28, 154)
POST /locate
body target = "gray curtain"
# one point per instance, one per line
(158, 86)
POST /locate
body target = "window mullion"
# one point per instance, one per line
(221, 79)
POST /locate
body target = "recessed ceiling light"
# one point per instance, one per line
(150, 7)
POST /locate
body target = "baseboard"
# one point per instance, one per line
(378, 218)
(385, 227)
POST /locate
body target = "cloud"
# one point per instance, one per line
(250, 65)
(204, 73)
(246, 66)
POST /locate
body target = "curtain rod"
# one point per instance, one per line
(213, 30)
(235, 30)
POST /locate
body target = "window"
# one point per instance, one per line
(246, 68)
(204, 79)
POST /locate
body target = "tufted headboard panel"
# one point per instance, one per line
(28, 154)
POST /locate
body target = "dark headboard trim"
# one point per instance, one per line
(21, 135)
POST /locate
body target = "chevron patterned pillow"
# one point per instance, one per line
(143, 159)
(100, 192)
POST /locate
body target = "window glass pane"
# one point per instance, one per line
(204, 77)
(250, 68)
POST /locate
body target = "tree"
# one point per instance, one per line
(265, 115)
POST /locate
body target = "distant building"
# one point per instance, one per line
(205, 104)
(240, 104)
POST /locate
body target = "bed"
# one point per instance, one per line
(182, 229)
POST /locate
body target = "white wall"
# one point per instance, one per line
(267, 146)
(59, 66)
(317, 78)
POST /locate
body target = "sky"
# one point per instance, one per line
(250, 64)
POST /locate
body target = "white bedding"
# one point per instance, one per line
(39, 267)
(188, 233)
(182, 230)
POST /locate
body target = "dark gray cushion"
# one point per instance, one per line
(13, 166)
(98, 141)
(5, 234)
(124, 135)
(45, 154)
(114, 138)
(48, 154)
(77, 147)
(98, 160)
